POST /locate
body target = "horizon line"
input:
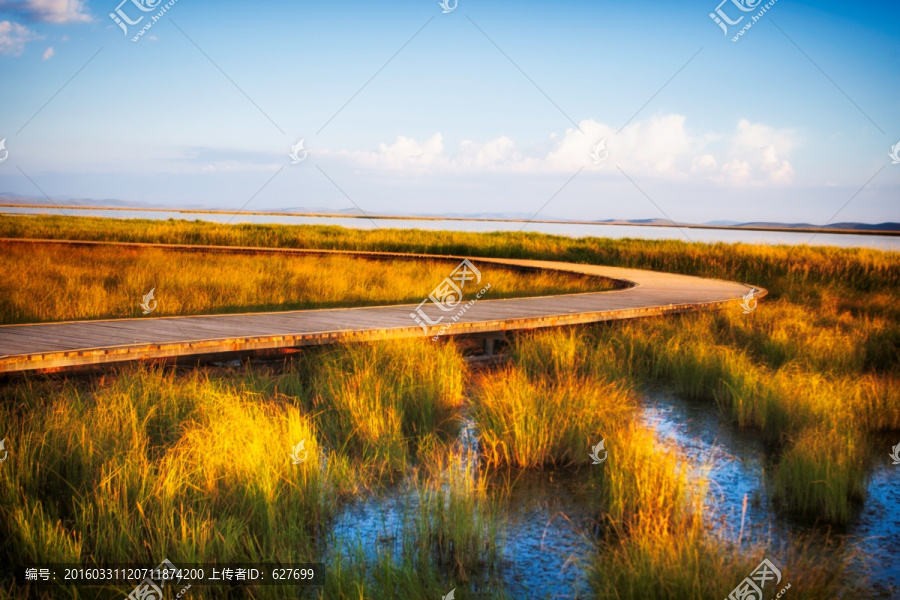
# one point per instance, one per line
(619, 222)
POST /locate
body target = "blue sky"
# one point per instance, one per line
(788, 123)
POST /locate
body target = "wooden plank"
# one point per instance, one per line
(80, 343)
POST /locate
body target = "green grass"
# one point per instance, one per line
(376, 402)
(737, 362)
(822, 473)
(515, 417)
(457, 524)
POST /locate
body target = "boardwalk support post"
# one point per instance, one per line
(488, 339)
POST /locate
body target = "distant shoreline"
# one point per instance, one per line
(876, 232)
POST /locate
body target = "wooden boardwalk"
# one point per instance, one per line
(79, 344)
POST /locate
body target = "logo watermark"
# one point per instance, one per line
(123, 20)
(748, 303)
(895, 455)
(599, 152)
(895, 153)
(3, 449)
(149, 304)
(461, 312)
(445, 4)
(6, 152)
(722, 19)
(296, 450)
(595, 452)
(751, 588)
(448, 295)
(296, 149)
(450, 596)
(148, 590)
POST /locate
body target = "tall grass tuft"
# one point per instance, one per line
(457, 525)
(151, 463)
(375, 402)
(537, 424)
(822, 473)
(548, 409)
(645, 486)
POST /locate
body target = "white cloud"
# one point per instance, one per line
(49, 11)
(737, 171)
(403, 154)
(660, 146)
(758, 150)
(408, 154)
(704, 162)
(497, 153)
(13, 37)
(657, 146)
(48, 53)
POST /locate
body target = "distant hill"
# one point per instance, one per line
(8, 198)
(889, 226)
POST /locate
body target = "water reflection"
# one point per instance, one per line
(548, 516)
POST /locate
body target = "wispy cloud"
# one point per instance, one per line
(14, 36)
(48, 53)
(49, 11)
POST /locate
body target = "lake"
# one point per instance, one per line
(877, 242)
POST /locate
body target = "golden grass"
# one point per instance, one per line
(562, 389)
(792, 271)
(376, 402)
(808, 380)
(73, 283)
(536, 424)
(195, 467)
(188, 467)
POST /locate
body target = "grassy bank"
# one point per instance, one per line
(72, 283)
(794, 271)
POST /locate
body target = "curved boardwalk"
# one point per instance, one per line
(74, 344)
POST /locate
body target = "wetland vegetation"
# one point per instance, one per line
(148, 462)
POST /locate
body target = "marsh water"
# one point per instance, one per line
(545, 533)
(548, 518)
(879, 242)
(737, 460)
